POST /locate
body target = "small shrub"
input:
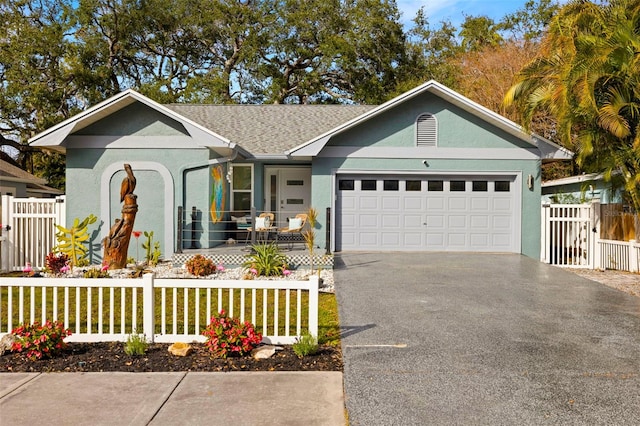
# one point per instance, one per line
(305, 345)
(40, 340)
(96, 273)
(228, 336)
(136, 344)
(266, 260)
(56, 262)
(200, 266)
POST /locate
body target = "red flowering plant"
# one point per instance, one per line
(228, 336)
(40, 340)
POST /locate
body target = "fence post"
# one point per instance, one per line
(596, 210)
(8, 244)
(314, 284)
(544, 235)
(148, 307)
(4, 209)
(633, 259)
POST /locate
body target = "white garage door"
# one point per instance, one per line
(454, 213)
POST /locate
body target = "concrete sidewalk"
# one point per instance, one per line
(242, 398)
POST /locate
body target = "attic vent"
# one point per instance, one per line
(426, 130)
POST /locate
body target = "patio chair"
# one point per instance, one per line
(289, 233)
(262, 225)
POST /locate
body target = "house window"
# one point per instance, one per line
(368, 185)
(435, 185)
(346, 184)
(242, 187)
(457, 186)
(426, 130)
(414, 185)
(391, 185)
(479, 186)
(502, 186)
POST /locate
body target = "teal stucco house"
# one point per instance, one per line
(429, 170)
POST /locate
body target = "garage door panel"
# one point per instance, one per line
(433, 218)
(479, 221)
(479, 204)
(348, 203)
(457, 203)
(436, 221)
(391, 221)
(368, 221)
(457, 240)
(501, 204)
(479, 240)
(435, 240)
(457, 221)
(391, 204)
(412, 221)
(368, 203)
(413, 240)
(435, 204)
(368, 239)
(391, 239)
(412, 203)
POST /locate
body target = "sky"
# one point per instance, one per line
(454, 10)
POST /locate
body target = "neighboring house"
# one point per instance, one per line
(428, 170)
(21, 184)
(580, 189)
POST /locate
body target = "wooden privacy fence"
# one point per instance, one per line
(29, 231)
(164, 310)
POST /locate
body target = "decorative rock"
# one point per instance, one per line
(180, 349)
(263, 352)
(6, 343)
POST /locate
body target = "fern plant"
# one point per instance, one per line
(72, 241)
(266, 259)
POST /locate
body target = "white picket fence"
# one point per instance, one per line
(28, 230)
(164, 310)
(571, 238)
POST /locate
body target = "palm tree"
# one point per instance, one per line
(587, 76)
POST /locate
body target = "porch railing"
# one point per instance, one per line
(195, 230)
(165, 310)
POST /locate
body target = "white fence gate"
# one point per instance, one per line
(28, 230)
(569, 234)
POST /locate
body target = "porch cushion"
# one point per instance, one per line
(295, 223)
(262, 222)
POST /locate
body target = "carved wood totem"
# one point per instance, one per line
(116, 245)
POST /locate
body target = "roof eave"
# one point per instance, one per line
(54, 137)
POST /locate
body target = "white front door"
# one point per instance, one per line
(287, 191)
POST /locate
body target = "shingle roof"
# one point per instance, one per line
(8, 170)
(269, 129)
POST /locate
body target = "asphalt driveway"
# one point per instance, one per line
(445, 338)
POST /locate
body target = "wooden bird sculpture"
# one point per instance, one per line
(128, 183)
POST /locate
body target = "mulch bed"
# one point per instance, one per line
(110, 356)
